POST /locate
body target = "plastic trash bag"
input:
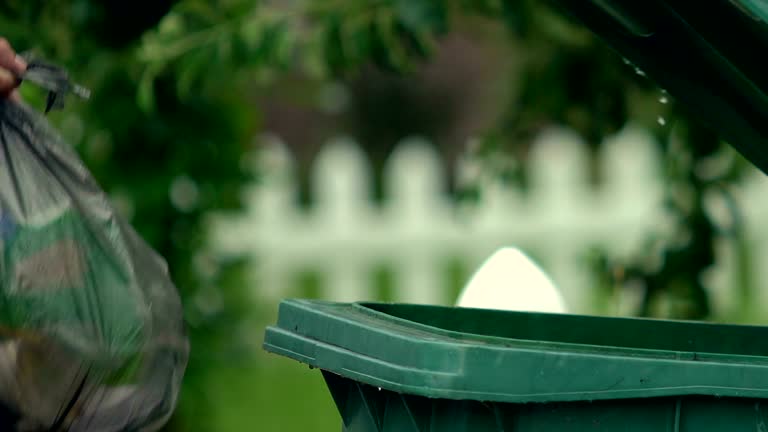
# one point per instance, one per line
(91, 330)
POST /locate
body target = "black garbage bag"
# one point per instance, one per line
(91, 329)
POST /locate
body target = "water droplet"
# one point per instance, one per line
(639, 71)
(626, 61)
(661, 120)
(664, 99)
(379, 388)
(663, 91)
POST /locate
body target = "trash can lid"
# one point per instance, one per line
(707, 55)
(503, 356)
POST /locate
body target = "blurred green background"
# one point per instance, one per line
(183, 88)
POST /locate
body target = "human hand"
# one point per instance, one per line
(11, 68)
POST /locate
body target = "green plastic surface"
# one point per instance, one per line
(707, 54)
(757, 8)
(451, 369)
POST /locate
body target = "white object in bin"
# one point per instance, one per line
(510, 280)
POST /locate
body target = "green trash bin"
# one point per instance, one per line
(415, 368)
(409, 368)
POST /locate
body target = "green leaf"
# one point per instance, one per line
(271, 40)
(145, 97)
(391, 50)
(251, 33)
(189, 73)
(285, 47)
(312, 58)
(224, 47)
(421, 15)
(333, 48)
(171, 26)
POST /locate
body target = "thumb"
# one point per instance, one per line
(8, 81)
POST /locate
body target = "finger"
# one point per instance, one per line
(7, 81)
(9, 60)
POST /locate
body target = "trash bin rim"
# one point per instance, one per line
(350, 340)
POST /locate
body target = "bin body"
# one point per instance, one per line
(395, 367)
(365, 408)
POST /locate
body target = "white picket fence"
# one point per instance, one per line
(344, 237)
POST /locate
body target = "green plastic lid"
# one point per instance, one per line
(708, 55)
(500, 356)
